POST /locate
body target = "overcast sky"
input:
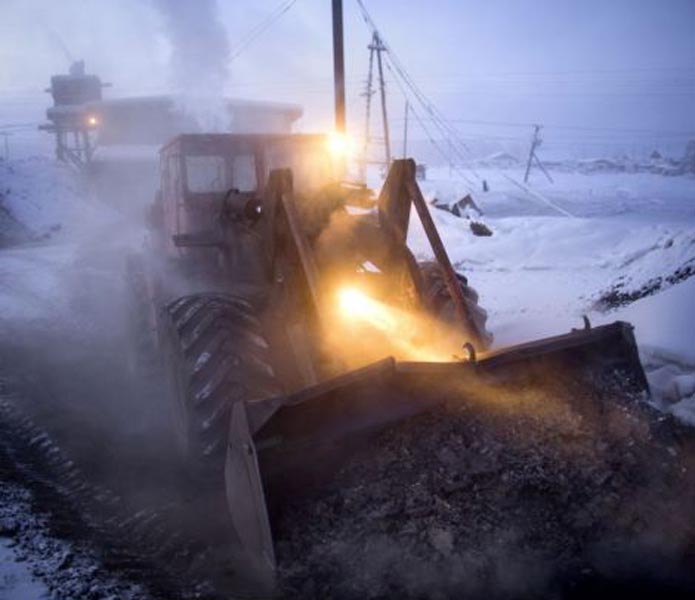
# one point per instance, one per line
(585, 63)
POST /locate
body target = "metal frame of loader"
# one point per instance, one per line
(265, 434)
(324, 408)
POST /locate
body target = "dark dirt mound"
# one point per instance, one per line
(618, 295)
(509, 495)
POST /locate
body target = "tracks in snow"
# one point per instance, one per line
(120, 547)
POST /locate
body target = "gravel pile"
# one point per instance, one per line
(509, 495)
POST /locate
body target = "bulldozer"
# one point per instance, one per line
(292, 320)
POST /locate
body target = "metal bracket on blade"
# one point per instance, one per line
(471, 351)
(587, 324)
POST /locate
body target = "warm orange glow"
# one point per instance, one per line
(339, 145)
(92, 121)
(407, 335)
(355, 304)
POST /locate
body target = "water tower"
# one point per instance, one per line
(70, 118)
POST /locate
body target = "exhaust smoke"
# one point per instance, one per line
(198, 65)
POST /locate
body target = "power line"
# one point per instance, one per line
(432, 140)
(576, 94)
(430, 137)
(569, 127)
(261, 27)
(587, 71)
(446, 156)
(436, 117)
(565, 80)
(19, 125)
(449, 133)
(441, 151)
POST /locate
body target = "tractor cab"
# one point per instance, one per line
(205, 174)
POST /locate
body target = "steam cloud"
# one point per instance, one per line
(199, 59)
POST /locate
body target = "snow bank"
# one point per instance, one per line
(665, 322)
(652, 268)
(547, 266)
(47, 197)
(538, 274)
(665, 328)
(67, 272)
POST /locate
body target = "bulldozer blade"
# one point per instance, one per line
(296, 441)
(266, 436)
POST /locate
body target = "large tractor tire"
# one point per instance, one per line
(215, 355)
(441, 304)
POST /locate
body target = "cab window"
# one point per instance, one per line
(244, 173)
(206, 174)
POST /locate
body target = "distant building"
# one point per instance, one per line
(153, 120)
(124, 167)
(116, 141)
(82, 120)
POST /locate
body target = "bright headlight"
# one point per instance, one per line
(355, 304)
(339, 145)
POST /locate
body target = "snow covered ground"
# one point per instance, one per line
(35, 564)
(541, 270)
(16, 580)
(63, 283)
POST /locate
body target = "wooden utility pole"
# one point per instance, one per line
(405, 130)
(368, 93)
(534, 142)
(532, 156)
(376, 47)
(339, 66)
(379, 48)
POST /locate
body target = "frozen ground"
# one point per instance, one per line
(36, 565)
(73, 246)
(541, 270)
(16, 580)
